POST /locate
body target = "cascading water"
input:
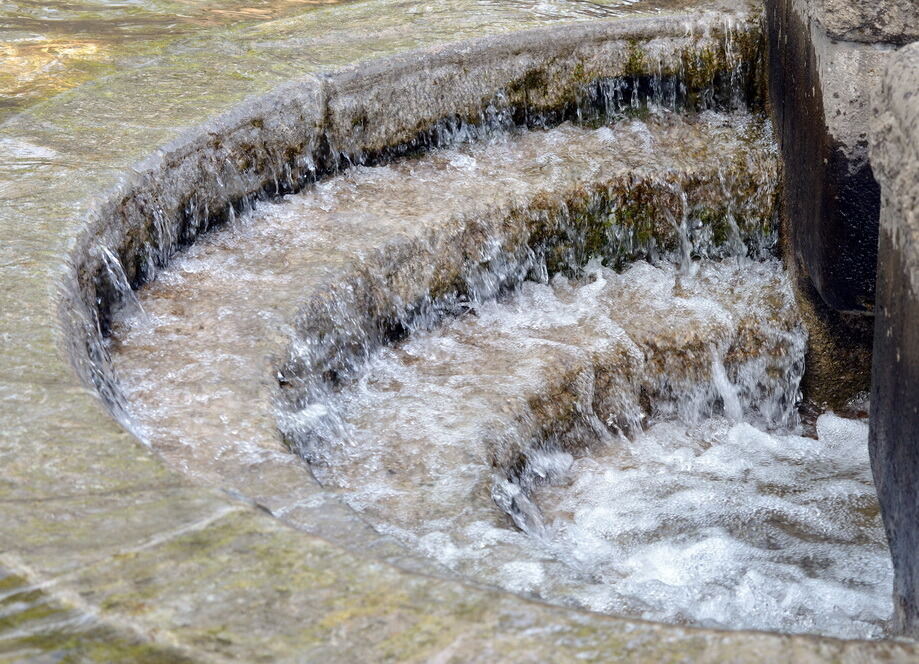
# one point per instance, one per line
(618, 433)
(695, 516)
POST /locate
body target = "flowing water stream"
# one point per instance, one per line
(562, 362)
(712, 511)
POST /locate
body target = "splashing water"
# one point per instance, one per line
(725, 525)
(695, 516)
(117, 278)
(620, 441)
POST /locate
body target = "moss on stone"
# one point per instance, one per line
(635, 62)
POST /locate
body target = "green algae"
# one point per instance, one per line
(635, 64)
(36, 625)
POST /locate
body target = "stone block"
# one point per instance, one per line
(820, 95)
(893, 443)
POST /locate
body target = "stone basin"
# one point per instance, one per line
(143, 564)
(469, 219)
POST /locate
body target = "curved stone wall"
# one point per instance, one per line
(362, 114)
(377, 110)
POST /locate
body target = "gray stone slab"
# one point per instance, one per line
(869, 21)
(895, 377)
(820, 90)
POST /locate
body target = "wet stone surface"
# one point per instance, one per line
(110, 532)
(34, 626)
(199, 363)
(53, 47)
(429, 439)
(894, 455)
(695, 517)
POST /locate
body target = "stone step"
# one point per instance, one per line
(363, 257)
(444, 425)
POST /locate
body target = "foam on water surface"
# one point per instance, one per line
(725, 525)
(579, 439)
(708, 521)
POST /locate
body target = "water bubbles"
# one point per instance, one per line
(706, 519)
(732, 527)
(479, 361)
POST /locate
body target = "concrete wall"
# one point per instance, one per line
(819, 91)
(867, 21)
(894, 442)
(839, 80)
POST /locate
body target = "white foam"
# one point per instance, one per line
(713, 522)
(729, 526)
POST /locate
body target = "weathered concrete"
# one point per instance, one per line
(868, 21)
(820, 90)
(97, 522)
(895, 376)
